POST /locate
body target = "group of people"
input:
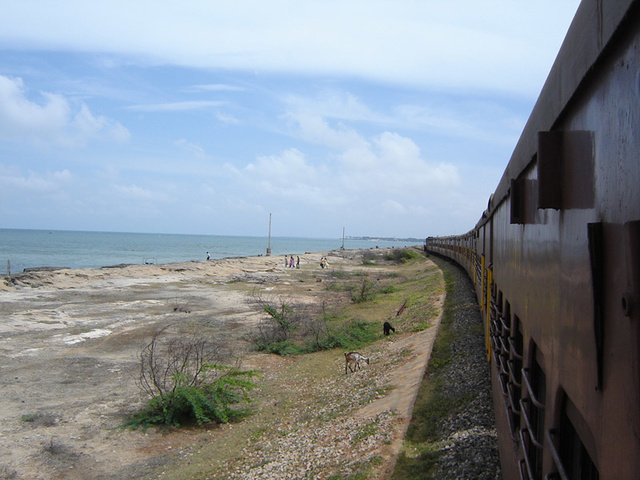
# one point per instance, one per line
(323, 262)
(291, 263)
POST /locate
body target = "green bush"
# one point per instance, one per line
(206, 403)
(389, 289)
(187, 382)
(365, 292)
(402, 255)
(283, 347)
(354, 334)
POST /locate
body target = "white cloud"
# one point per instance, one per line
(394, 165)
(333, 104)
(14, 181)
(284, 171)
(227, 119)
(315, 129)
(176, 106)
(90, 126)
(389, 161)
(53, 122)
(217, 87)
(450, 44)
(192, 148)
(137, 194)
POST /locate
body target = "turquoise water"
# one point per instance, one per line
(51, 248)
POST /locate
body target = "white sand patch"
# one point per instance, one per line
(27, 352)
(36, 320)
(96, 333)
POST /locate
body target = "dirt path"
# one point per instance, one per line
(70, 341)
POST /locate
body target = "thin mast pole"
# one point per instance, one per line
(269, 244)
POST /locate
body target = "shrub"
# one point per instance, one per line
(284, 347)
(389, 289)
(366, 292)
(208, 402)
(276, 331)
(402, 255)
(186, 382)
(353, 334)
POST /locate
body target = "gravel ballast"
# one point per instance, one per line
(468, 445)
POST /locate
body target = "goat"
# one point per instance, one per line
(387, 328)
(354, 358)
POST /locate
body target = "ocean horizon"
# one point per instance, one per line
(21, 248)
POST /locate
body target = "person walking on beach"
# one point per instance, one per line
(292, 262)
(297, 262)
(208, 256)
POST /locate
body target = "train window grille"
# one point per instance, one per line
(532, 413)
(571, 458)
(515, 370)
(498, 334)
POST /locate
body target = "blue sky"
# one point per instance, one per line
(390, 118)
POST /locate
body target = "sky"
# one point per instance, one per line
(379, 117)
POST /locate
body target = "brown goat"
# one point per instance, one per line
(353, 361)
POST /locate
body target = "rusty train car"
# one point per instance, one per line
(555, 260)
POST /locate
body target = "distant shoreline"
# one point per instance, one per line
(385, 239)
(45, 269)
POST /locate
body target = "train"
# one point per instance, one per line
(555, 263)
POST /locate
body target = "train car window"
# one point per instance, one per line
(539, 382)
(533, 415)
(515, 368)
(575, 458)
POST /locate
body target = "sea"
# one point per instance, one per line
(21, 249)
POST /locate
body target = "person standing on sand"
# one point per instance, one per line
(286, 261)
(208, 256)
(298, 262)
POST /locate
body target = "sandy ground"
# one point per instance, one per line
(70, 340)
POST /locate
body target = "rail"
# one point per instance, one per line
(532, 395)
(561, 473)
(525, 415)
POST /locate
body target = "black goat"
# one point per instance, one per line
(388, 328)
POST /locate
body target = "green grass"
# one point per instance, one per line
(420, 452)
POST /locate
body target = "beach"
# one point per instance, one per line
(71, 339)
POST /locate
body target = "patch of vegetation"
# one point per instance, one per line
(365, 293)
(294, 330)
(434, 402)
(369, 257)
(209, 402)
(43, 419)
(365, 431)
(286, 348)
(403, 255)
(389, 289)
(339, 274)
(352, 335)
(187, 384)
